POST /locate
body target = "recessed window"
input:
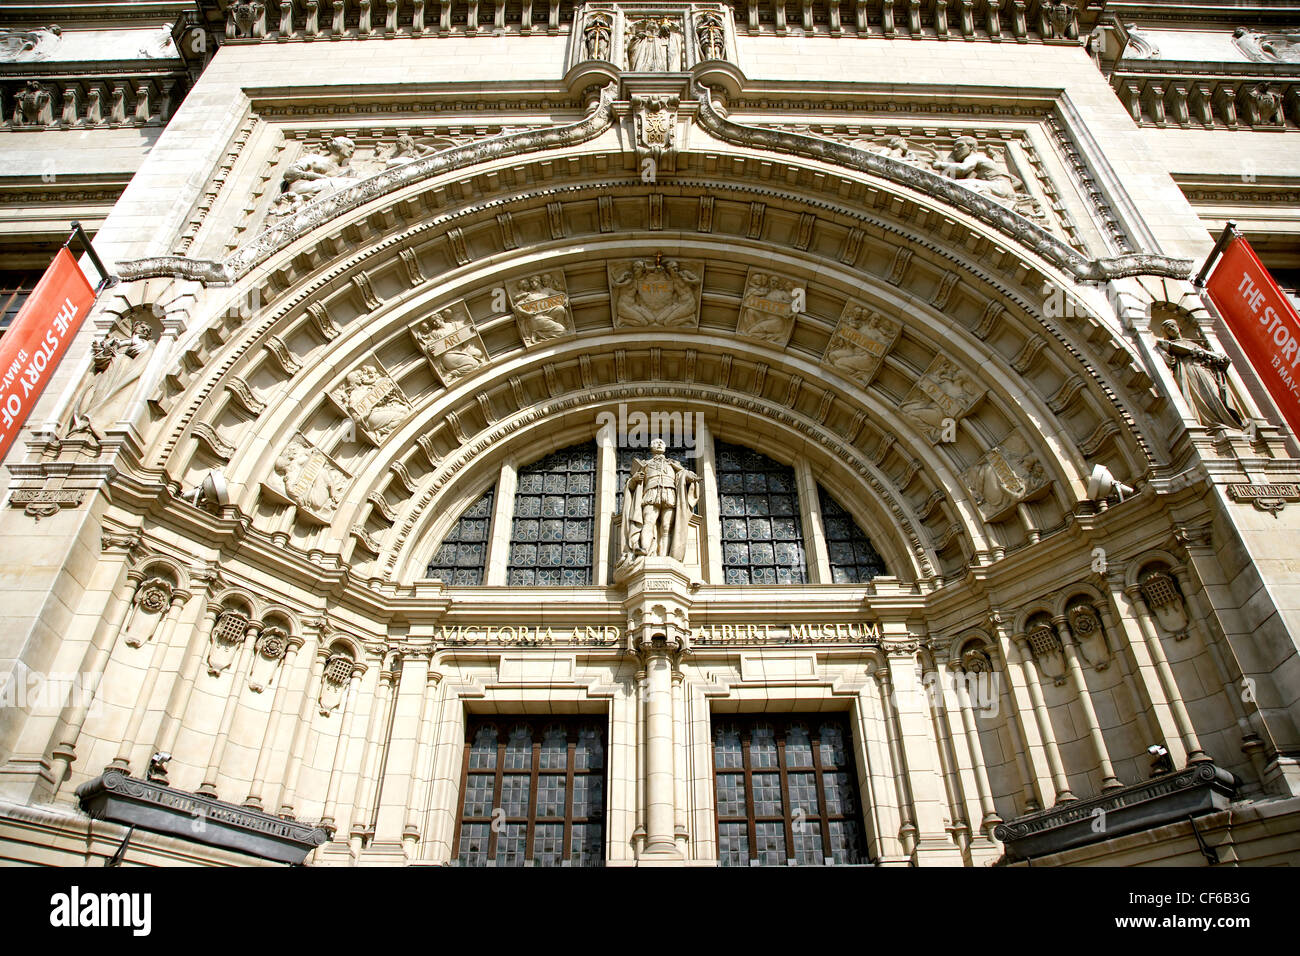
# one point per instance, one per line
(762, 539)
(787, 793)
(853, 558)
(533, 792)
(551, 536)
(15, 287)
(462, 556)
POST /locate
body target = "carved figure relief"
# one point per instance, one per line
(451, 343)
(373, 401)
(1268, 47)
(767, 311)
(1004, 476)
(656, 292)
(860, 342)
(1267, 105)
(406, 150)
(28, 45)
(944, 392)
(314, 174)
(541, 307)
(153, 598)
(118, 362)
(654, 45)
(305, 477)
(1201, 375)
(658, 500)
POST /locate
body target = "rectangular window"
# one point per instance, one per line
(787, 792)
(533, 792)
(762, 541)
(552, 531)
(15, 287)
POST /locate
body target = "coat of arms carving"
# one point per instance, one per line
(658, 292)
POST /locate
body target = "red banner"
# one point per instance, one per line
(34, 344)
(1263, 321)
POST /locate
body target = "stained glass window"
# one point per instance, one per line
(551, 538)
(786, 792)
(533, 792)
(854, 559)
(762, 540)
(462, 556)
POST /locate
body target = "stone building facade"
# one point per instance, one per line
(973, 537)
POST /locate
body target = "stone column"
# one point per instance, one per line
(979, 769)
(881, 782)
(367, 779)
(420, 794)
(503, 509)
(174, 715)
(1022, 709)
(681, 832)
(289, 789)
(659, 633)
(267, 749)
(209, 785)
(1151, 636)
(161, 641)
(934, 845)
(1029, 668)
(350, 707)
(1070, 651)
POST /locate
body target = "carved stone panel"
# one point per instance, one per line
(942, 394)
(1004, 476)
(541, 307)
(307, 478)
(450, 342)
(769, 307)
(373, 401)
(658, 292)
(860, 342)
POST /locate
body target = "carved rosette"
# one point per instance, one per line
(153, 598)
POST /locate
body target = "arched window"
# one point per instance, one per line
(854, 559)
(551, 537)
(762, 540)
(462, 556)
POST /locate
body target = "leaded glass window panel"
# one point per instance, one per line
(854, 559)
(552, 532)
(762, 538)
(782, 800)
(542, 783)
(462, 556)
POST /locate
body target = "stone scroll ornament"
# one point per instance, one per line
(1004, 476)
(860, 343)
(659, 292)
(658, 500)
(451, 343)
(307, 478)
(768, 309)
(373, 401)
(943, 394)
(541, 307)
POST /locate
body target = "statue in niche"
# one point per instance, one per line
(658, 500)
(373, 401)
(117, 365)
(978, 171)
(658, 293)
(1201, 375)
(407, 150)
(597, 35)
(450, 345)
(654, 45)
(711, 36)
(541, 307)
(315, 174)
(305, 477)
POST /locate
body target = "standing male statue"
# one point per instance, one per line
(658, 501)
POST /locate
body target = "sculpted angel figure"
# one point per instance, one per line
(978, 171)
(658, 500)
(1201, 377)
